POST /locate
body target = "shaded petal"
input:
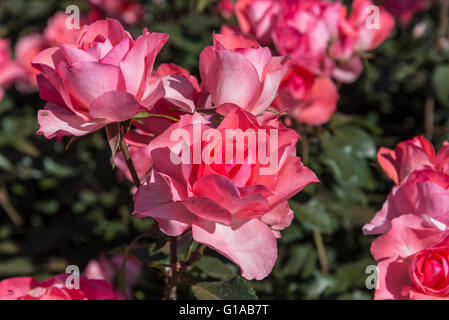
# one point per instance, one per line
(250, 244)
(56, 122)
(224, 192)
(88, 80)
(115, 106)
(208, 209)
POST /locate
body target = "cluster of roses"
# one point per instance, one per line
(324, 42)
(412, 250)
(19, 70)
(106, 79)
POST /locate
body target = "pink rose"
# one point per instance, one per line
(57, 33)
(226, 8)
(54, 288)
(26, 49)
(424, 193)
(9, 70)
(305, 30)
(108, 268)
(308, 99)
(236, 209)
(257, 17)
(413, 261)
(369, 36)
(237, 60)
(414, 154)
(404, 10)
(105, 78)
(128, 11)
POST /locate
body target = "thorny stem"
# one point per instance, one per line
(170, 289)
(194, 257)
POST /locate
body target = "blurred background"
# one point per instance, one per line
(61, 207)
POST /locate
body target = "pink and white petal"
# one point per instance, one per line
(49, 57)
(153, 94)
(280, 217)
(379, 224)
(228, 69)
(13, 288)
(115, 106)
(56, 122)
(136, 67)
(274, 73)
(157, 198)
(408, 235)
(260, 58)
(250, 244)
(179, 91)
(348, 72)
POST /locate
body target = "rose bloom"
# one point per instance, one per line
(369, 38)
(232, 208)
(414, 154)
(405, 10)
(237, 60)
(258, 17)
(423, 193)
(226, 8)
(25, 50)
(108, 268)
(9, 70)
(54, 288)
(308, 99)
(305, 30)
(57, 33)
(129, 11)
(413, 260)
(105, 78)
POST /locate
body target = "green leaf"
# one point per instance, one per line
(346, 156)
(234, 289)
(440, 80)
(16, 266)
(302, 258)
(313, 216)
(361, 144)
(203, 4)
(5, 164)
(145, 114)
(214, 267)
